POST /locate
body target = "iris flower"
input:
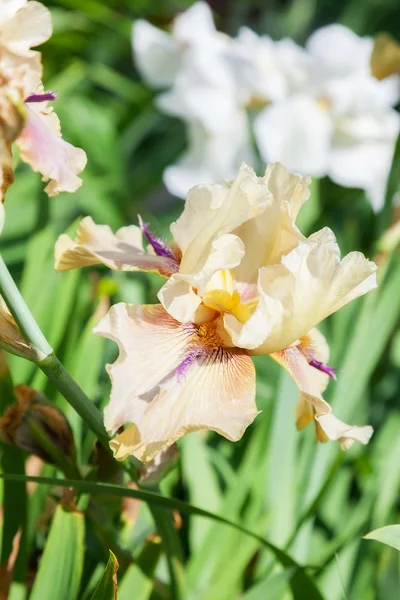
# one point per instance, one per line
(241, 280)
(24, 25)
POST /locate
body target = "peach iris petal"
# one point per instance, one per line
(97, 244)
(24, 26)
(311, 405)
(43, 148)
(171, 379)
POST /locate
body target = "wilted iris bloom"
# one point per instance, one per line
(12, 122)
(326, 109)
(241, 280)
(24, 25)
(32, 415)
(12, 339)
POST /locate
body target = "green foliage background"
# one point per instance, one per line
(315, 503)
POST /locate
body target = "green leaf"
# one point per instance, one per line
(14, 501)
(273, 588)
(202, 483)
(60, 568)
(389, 535)
(139, 577)
(302, 584)
(107, 588)
(137, 583)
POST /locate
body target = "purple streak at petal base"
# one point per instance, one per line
(160, 247)
(180, 371)
(321, 367)
(45, 97)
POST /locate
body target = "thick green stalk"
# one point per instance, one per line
(77, 398)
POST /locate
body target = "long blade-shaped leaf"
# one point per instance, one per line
(61, 565)
(389, 535)
(107, 588)
(302, 585)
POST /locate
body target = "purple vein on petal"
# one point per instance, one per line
(191, 357)
(317, 364)
(45, 97)
(159, 246)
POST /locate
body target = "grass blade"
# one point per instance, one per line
(301, 583)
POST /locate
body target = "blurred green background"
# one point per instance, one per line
(316, 502)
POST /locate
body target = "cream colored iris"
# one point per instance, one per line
(241, 280)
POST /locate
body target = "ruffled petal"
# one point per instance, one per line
(201, 203)
(30, 26)
(97, 244)
(151, 346)
(217, 392)
(246, 198)
(310, 284)
(43, 148)
(311, 405)
(273, 233)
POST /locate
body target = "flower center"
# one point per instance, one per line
(221, 296)
(324, 103)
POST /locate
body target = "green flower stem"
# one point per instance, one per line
(20, 311)
(77, 398)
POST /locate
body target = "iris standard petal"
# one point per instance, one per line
(310, 284)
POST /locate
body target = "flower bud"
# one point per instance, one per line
(28, 423)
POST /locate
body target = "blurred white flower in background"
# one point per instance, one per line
(159, 55)
(340, 121)
(192, 62)
(319, 110)
(210, 155)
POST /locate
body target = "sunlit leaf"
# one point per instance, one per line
(389, 535)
